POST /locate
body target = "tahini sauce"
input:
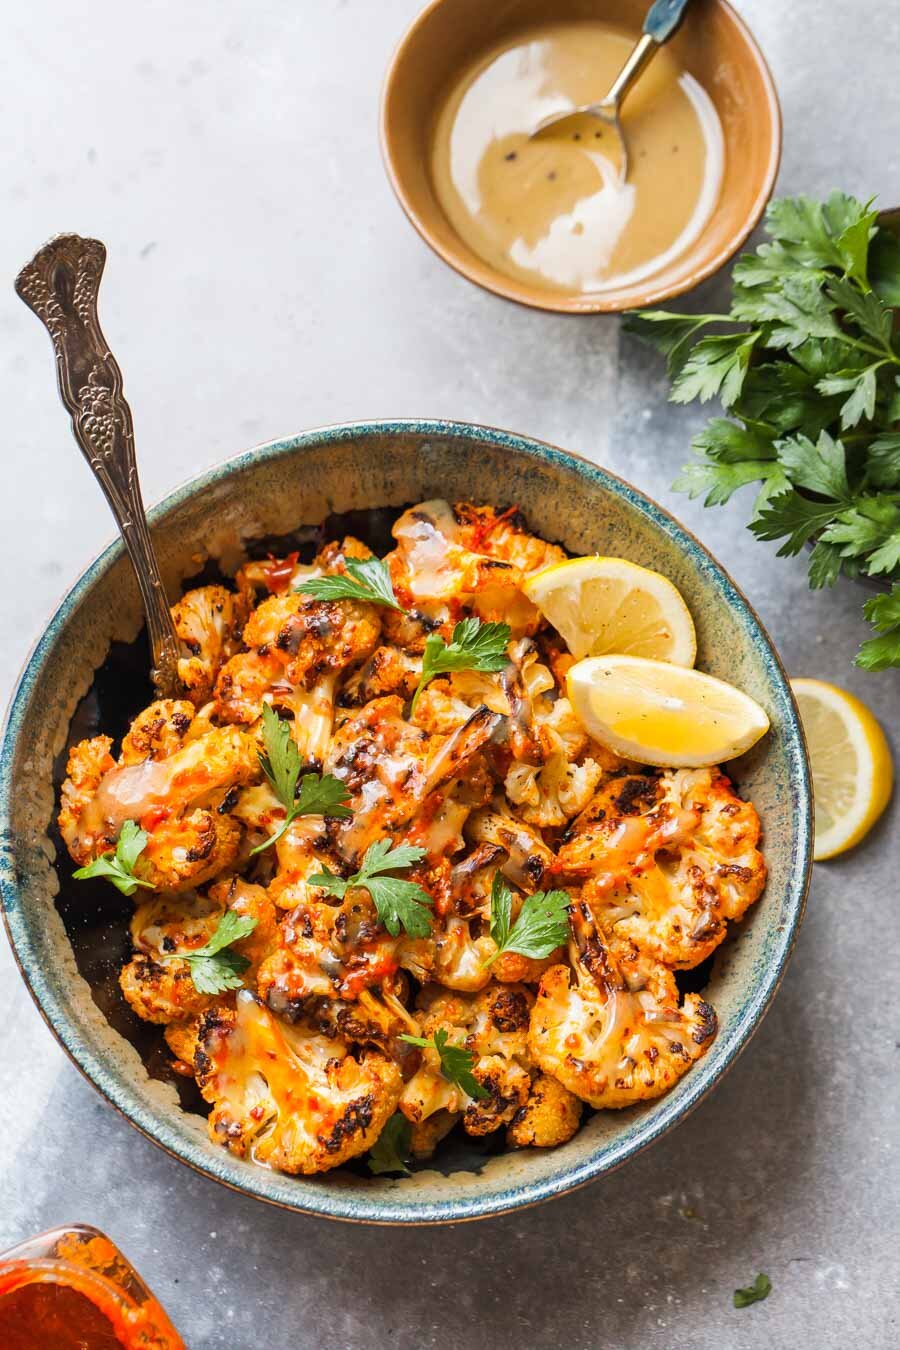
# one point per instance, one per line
(553, 211)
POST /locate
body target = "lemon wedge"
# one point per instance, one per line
(601, 605)
(662, 714)
(851, 764)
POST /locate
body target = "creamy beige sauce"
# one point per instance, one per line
(555, 211)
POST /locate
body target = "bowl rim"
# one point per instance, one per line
(497, 283)
(335, 1202)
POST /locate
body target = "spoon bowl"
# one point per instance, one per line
(661, 22)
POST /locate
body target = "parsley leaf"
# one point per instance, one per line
(716, 366)
(457, 1064)
(669, 333)
(760, 1288)
(883, 611)
(214, 968)
(391, 1149)
(542, 925)
(117, 864)
(398, 902)
(366, 579)
(474, 646)
(319, 795)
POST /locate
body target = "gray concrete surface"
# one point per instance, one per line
(262, 280)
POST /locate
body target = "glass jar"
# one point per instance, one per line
(72, 1288)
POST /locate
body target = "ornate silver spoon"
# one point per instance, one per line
(60, 285)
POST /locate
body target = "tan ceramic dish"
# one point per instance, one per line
(714, 45)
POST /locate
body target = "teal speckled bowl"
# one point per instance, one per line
(273, 490)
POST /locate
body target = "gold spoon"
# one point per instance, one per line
(659, 25)
(60, 285)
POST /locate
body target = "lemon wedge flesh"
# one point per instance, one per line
(601, 605)
(662, 714)
(851, 765)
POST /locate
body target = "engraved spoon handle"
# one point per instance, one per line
(60, 285)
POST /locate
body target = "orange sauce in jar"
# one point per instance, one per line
(72, 1289)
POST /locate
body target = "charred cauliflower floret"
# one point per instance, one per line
(312, 638)
(88, 764)
(173, 798)
(667, 859)
(434, 573)
(493, 1027)
(208, 622)
(287, 1097)
(158, 731)
(158, 985)
(611, 1028)
(550, 1117)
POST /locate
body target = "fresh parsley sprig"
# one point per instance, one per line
(391, 1149)
(754, 1293)
(474, 646)
(319, 794)
(117, 864)
(398, 902)
(366, 579)
(542, 925)
(214, 967)
(457, 1064)
(812, 384)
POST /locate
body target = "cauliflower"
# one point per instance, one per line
(311, 638)
(391, 767)
(434, 573)
(527, 856)
(326, 950)
(155, 983)
(287, 1097)
(551, 1116)
(669, 859)
(173, 798)
(208, 622)
(493, 1026)
(611, 1029)
(503, 535)
(389, 670)
(158, 731)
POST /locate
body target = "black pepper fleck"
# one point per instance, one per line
(512, 155)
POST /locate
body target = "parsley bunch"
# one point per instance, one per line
(811, 383)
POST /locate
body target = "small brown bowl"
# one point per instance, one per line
(713, 44)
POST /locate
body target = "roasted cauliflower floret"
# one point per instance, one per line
(312, 638)
(493, 1026)
(170, 797)
(503, 535)
(158, 985)
(158, 731)
(287, 1097)
(667, 860)
(161, 991)
(550, 1116)
(208, 622)
(611, 1028)
(88, 764)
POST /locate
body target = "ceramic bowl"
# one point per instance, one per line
(272, 491)
(713, 44)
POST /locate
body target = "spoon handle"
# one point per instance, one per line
(60, 285)
(663, 18)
